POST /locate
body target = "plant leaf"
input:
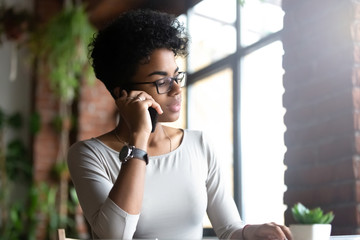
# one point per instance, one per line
(303, 215)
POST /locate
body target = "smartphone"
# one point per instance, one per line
(154, 117)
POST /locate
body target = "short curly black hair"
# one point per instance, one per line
(129, 40)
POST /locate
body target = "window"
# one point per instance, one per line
(235, 90)
(211, 111)
(262, 132)
(213, 34)
(259, 19)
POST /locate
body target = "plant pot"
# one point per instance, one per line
(311, 231)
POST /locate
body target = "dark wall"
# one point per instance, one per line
(321, 98)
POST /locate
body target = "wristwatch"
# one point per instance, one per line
(128, 152)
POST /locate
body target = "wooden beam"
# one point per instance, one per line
(102, 11)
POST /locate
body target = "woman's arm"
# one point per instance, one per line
(93, 168)
(223, 212)
(128, 189)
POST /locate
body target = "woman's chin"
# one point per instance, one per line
(169, 119)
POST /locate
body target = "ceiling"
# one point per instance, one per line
(101, 11)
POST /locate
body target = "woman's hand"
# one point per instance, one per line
(133, 108)
(267, 231)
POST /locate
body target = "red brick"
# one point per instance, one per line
(356, 167)
(97, 111)
(357, 143)
(346, 214)
(356, 10)
(300, 156)
(356, 98)
(316, 132)
(356, 76)
(336, 149)
(308, 175)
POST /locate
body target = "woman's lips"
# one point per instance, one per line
(174, 106)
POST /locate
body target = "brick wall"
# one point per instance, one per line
(95, 111)
(45, 143)
(95, 108)
(322, 100)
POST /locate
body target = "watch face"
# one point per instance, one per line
(124, 153)
(128, 152)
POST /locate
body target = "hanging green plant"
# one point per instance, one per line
(18, 165)
(35, 123)
(63, 47)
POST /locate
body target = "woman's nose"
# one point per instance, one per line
(176, 87)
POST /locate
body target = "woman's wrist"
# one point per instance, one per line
(139, 141)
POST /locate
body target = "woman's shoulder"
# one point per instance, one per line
(193, 133)
(200, 139)
(84, 144)
(197, 135)
(197, 138)
(90, 152)
(185, 135)
(87, 146)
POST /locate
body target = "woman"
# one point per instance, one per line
(135, 183)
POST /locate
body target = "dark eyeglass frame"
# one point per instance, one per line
(172, 79)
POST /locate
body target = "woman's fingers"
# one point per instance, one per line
(156, 106)
(287, 232)
(279, 232)
(139, 96)
(271, 231)
(133, 107)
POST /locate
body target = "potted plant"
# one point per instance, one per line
(312, 224)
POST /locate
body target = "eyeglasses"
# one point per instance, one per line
(165, 84)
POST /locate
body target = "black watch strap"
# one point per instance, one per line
(140, 154)
(128, 152)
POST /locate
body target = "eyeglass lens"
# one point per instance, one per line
(165, 85)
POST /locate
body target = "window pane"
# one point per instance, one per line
(262, 132)
(211, 111)
(222, 11)
(260, 18)
(212, 31)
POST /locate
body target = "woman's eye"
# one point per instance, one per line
(161, 82)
